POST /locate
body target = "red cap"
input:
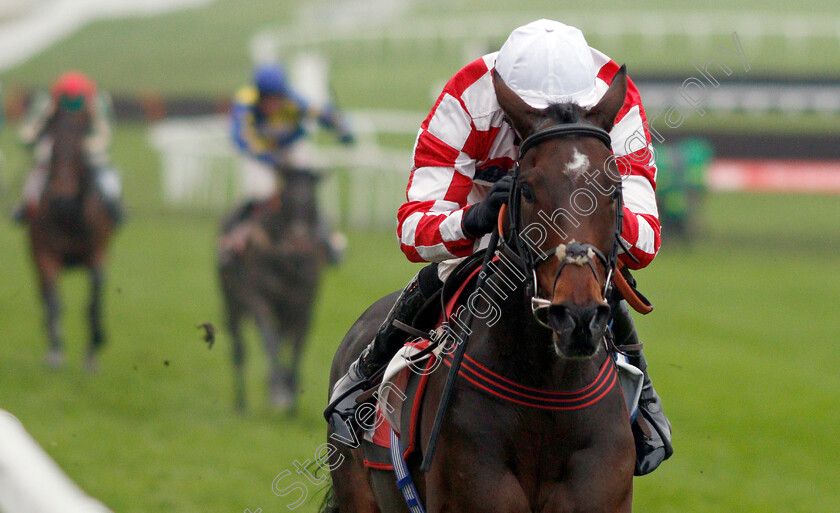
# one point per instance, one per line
(73, 84)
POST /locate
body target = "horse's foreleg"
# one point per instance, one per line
(238, 355)
(270, 335)
(293, 367)
(97, 335)
(48, 275)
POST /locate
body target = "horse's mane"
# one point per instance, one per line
(565, 112)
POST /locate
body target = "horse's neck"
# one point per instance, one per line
(297, 204)
(67, 152)
(74, 170)
(517, 347)
(273, 221)
(277, 221)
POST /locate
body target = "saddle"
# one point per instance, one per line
(403, 387)
(400, 400)
(430, 314)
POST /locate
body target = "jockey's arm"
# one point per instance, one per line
(246, 137)
(98, 140)
(35, 122)
(330, 118)
(635, 161)
(429, 222)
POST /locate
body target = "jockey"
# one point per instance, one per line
(458, 183)
(268, 124)
(71, 91)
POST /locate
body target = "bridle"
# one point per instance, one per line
(571, 252)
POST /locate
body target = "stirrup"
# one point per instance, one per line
(344, 405)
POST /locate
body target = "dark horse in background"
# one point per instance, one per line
(270, 264)
(494, 454)
(71, 228)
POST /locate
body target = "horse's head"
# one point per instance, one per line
(565, 209)
(67, 169)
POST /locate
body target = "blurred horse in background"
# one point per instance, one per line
(269, 262)
(71, 228)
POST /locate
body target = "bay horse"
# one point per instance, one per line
(70, 228)
(494, 452)
(269, 264)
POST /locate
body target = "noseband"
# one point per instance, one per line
(572, 252)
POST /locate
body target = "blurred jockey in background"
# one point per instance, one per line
(269, 124)
(71, 91)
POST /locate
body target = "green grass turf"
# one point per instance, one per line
(743, 336)
(741, 343)
(742, 347)
(194, 50)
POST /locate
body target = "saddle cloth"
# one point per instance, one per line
(399, 398)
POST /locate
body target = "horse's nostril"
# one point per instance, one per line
(583, 316)
(600, 318)
(579, 329)
(560, 319)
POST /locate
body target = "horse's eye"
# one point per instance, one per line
(527, 194)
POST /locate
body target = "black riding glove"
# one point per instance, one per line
(480, 218)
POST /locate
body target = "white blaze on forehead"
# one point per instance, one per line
(579, 163)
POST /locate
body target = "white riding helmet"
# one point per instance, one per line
(547, 62)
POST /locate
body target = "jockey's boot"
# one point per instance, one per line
(333, 244)
(336, 245)
(651, 428)
(109, 184)
(20, 215)
(388, 340)
(115, 210)
(25, 212)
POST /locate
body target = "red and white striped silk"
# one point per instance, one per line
(464, 146)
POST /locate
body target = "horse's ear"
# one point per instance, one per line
(603, 114)
(522, 116)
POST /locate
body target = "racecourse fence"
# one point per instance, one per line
(362, 188)
(761, 30)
